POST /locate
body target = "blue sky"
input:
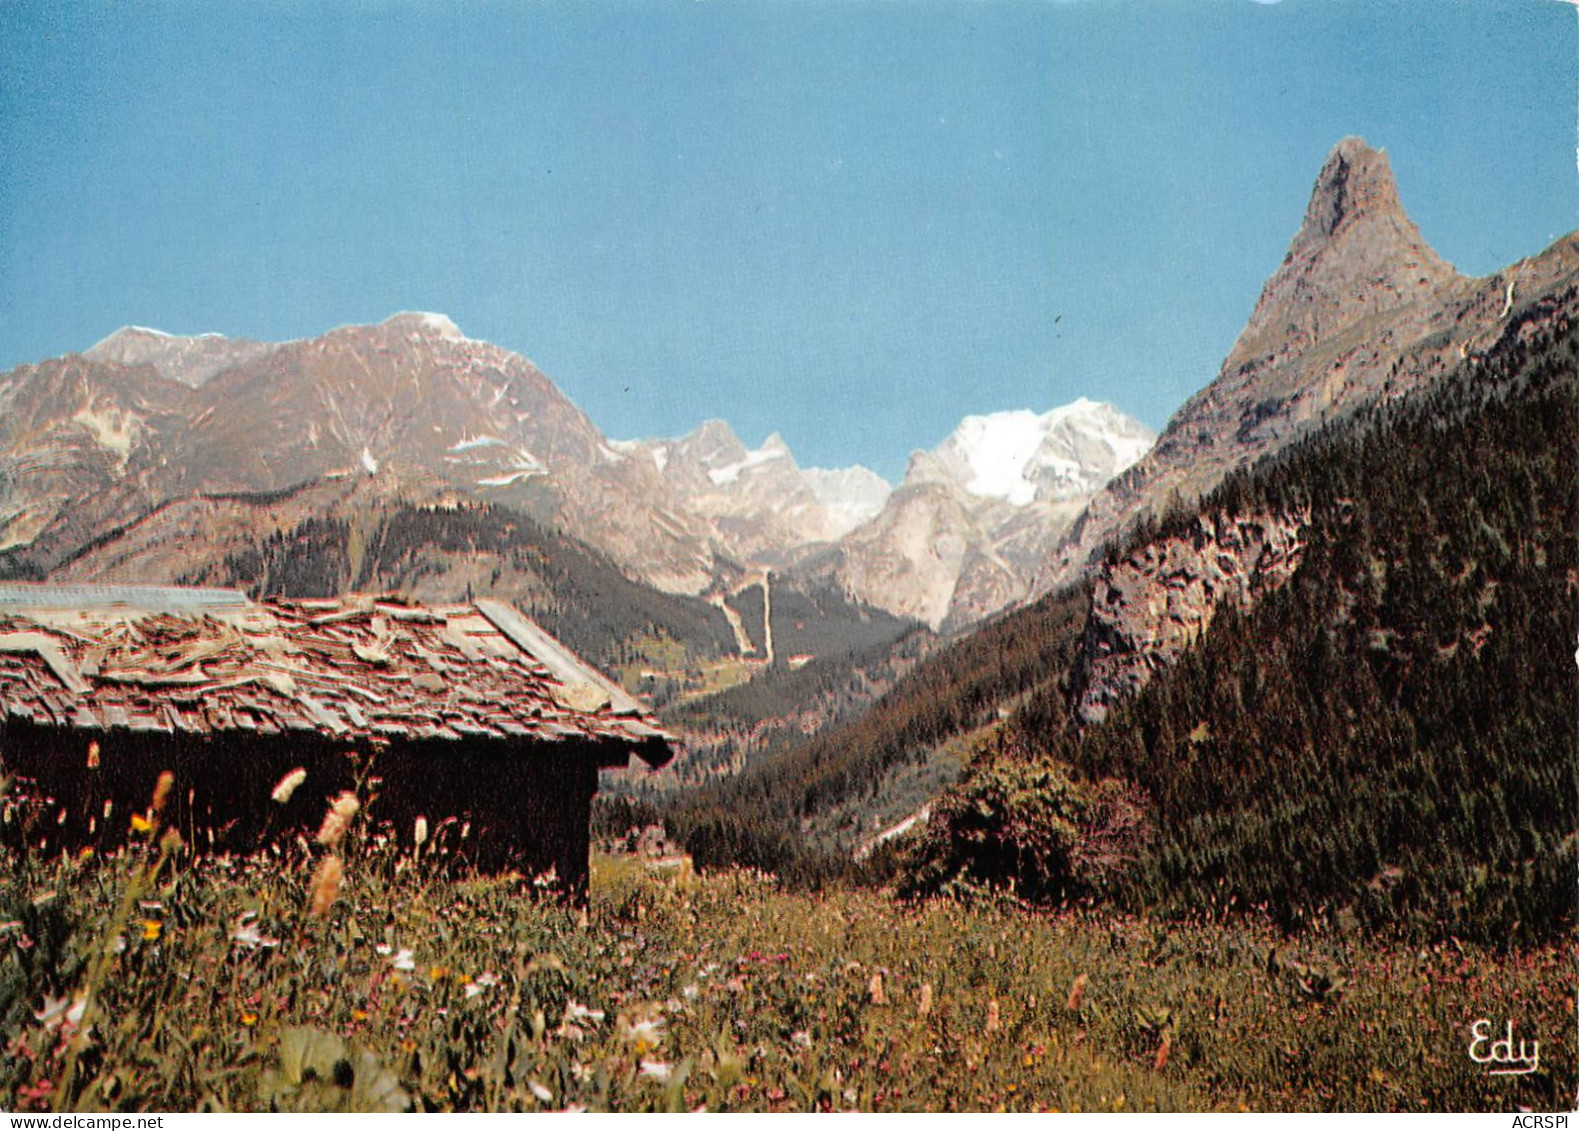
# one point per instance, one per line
(852, 222)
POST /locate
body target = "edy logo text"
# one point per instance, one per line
(1510, 1061)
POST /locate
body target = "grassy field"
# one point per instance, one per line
(152, 981)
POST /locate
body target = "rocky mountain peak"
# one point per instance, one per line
(1356, 254)
(189, 360)
(425, 323)
(713, 442)
(1355, 181)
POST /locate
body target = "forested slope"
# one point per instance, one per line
(1390, 736)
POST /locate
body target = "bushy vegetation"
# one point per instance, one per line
(153, 981)
(1389, 738)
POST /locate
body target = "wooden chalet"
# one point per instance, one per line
(469, 716)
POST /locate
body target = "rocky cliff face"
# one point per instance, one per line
(1361, 308)
(762, 505)
(1149, 607)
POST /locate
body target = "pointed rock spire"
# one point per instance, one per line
(1356, 253)
(1355, 182)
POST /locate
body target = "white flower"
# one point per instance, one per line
(420, 832)
(472, 990)
(246, 933)
(655, 1069)
(690, 992)
(644, 1034)
(288, 785)
(61, 1012)
(404, 960)
(540, 1090)
(576, 1012)
(487, 979)
(384, 948)
(801, 1038)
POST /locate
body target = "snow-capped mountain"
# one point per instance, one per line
(977, 515)
(1020, 456)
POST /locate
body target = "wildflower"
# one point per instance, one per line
(993, 1024)
(926, 999)
(875, 989)
(246, 933)
(540, 1091)
(404, 961)
(161, 792)
(326, 884)
(801, 1038)
(61, 1013)
(337, 821)
(1076, 993)
(151, 929)
(655, 1070)
(288, 785)
(140, 824)
(419, 832)
(574, 1011)
(248, 1018)
(645, 1035)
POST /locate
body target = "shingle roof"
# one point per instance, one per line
(362, 668)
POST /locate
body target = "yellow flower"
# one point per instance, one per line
(86, 852)
(438, 973)
(140, 824)
(249, 1018)
(151, 929)
(359, 1015)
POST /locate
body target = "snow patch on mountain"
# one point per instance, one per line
(468, 443)
(427, 322)
(773, 448)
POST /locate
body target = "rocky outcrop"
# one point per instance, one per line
(1149, 607)
(762, 505)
